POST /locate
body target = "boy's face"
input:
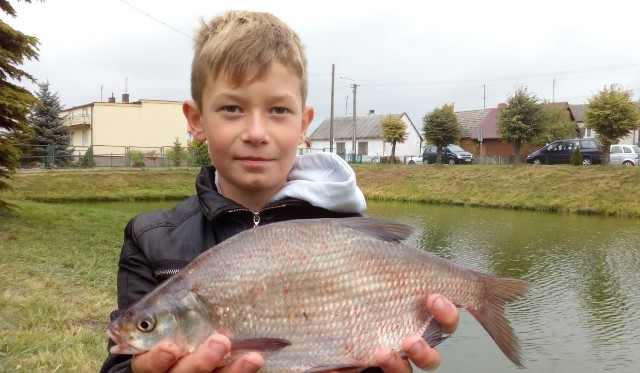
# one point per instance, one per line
(253, 132)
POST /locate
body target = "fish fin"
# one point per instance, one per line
(384, 230)
(344, 368)
(433, 335)
(498, 292)
(258, 344)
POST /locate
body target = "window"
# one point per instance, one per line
(363, 148)
(616, 149)
(340, 148)
(85, 138)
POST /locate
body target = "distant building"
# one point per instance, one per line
(579, 110)
(114, 128)
(368, 136)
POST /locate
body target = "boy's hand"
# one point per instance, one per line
(165, 358)
(417, 350)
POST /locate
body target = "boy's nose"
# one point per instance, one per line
(256, 128)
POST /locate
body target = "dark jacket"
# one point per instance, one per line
(158, 244)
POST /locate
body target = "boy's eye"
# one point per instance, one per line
(230, 109)
(280, 110)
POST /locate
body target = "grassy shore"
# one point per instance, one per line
(593, 190)
(59, 261)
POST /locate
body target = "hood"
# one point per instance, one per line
(324, 180)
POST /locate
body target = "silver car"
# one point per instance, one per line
(628, 155)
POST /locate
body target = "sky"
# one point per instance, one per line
(405, 56)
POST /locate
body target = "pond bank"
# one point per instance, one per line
(598, 190)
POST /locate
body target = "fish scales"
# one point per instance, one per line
(335, 289)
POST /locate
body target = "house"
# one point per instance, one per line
(368, 136)
(113, 129)
(479, 134)
(578, 112)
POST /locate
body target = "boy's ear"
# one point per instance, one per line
(194, 120)
(307, 117)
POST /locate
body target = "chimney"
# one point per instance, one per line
(125, 98)
(371, 111)
(112, 99)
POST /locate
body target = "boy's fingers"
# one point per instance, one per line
(445, 312)
(206, 357)
(159, 359)
(419, 352)
(390, 362)
(248, 363)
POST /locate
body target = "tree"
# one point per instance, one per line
(393, 131)
(613, 114)
(51, 138)
(15, 101)
(176, 154)
(522, 120)
(441, 128)
(558, 125)
(199, 154)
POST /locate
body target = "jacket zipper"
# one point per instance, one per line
(166, 272)
(256, 213)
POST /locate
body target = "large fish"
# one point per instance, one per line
(315, 295)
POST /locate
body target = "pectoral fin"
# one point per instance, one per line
(258, 344)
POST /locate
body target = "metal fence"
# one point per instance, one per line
(45, 156)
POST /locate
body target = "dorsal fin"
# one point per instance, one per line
(384, 230)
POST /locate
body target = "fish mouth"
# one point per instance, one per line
(121, 345)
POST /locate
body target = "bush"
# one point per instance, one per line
(137, 156)
(87, 158)
(576, 157)
(198, 154)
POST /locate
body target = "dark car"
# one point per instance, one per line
(451, 154)
(559, 152)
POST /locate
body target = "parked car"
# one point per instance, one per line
(559, 152)
(413, 159)
(628, 155)
(451, 154)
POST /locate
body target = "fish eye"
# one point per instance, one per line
(146, 324)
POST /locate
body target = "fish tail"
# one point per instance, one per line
(498, 292)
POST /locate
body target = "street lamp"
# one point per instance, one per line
(355, 89)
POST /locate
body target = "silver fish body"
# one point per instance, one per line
(315, 295)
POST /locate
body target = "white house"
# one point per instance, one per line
(368, 136)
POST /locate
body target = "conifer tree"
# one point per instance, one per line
(51, 137)
(15, 100)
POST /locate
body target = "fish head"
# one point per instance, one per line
(177, 317)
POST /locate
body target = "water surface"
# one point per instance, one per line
(583, 314)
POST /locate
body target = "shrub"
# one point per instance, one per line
(137, 156)
(87, 158)
(576, 157)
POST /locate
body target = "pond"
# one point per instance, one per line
(583, 313)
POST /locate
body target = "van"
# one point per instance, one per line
(559, 152)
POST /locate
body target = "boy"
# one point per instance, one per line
(249, 85)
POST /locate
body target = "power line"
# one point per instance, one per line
(156, 19)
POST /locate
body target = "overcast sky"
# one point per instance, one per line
(406, 56)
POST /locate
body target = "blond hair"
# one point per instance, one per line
(240, 47)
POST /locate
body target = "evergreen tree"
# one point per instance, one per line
(441, 128)
(522, 120)
(51, 137)
(15, 101)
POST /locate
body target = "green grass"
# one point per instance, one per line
(59, 261)
(57, 286)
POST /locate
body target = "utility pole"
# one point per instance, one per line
(333, 80)
(553, 91)
(353, 145)
(484, 96)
